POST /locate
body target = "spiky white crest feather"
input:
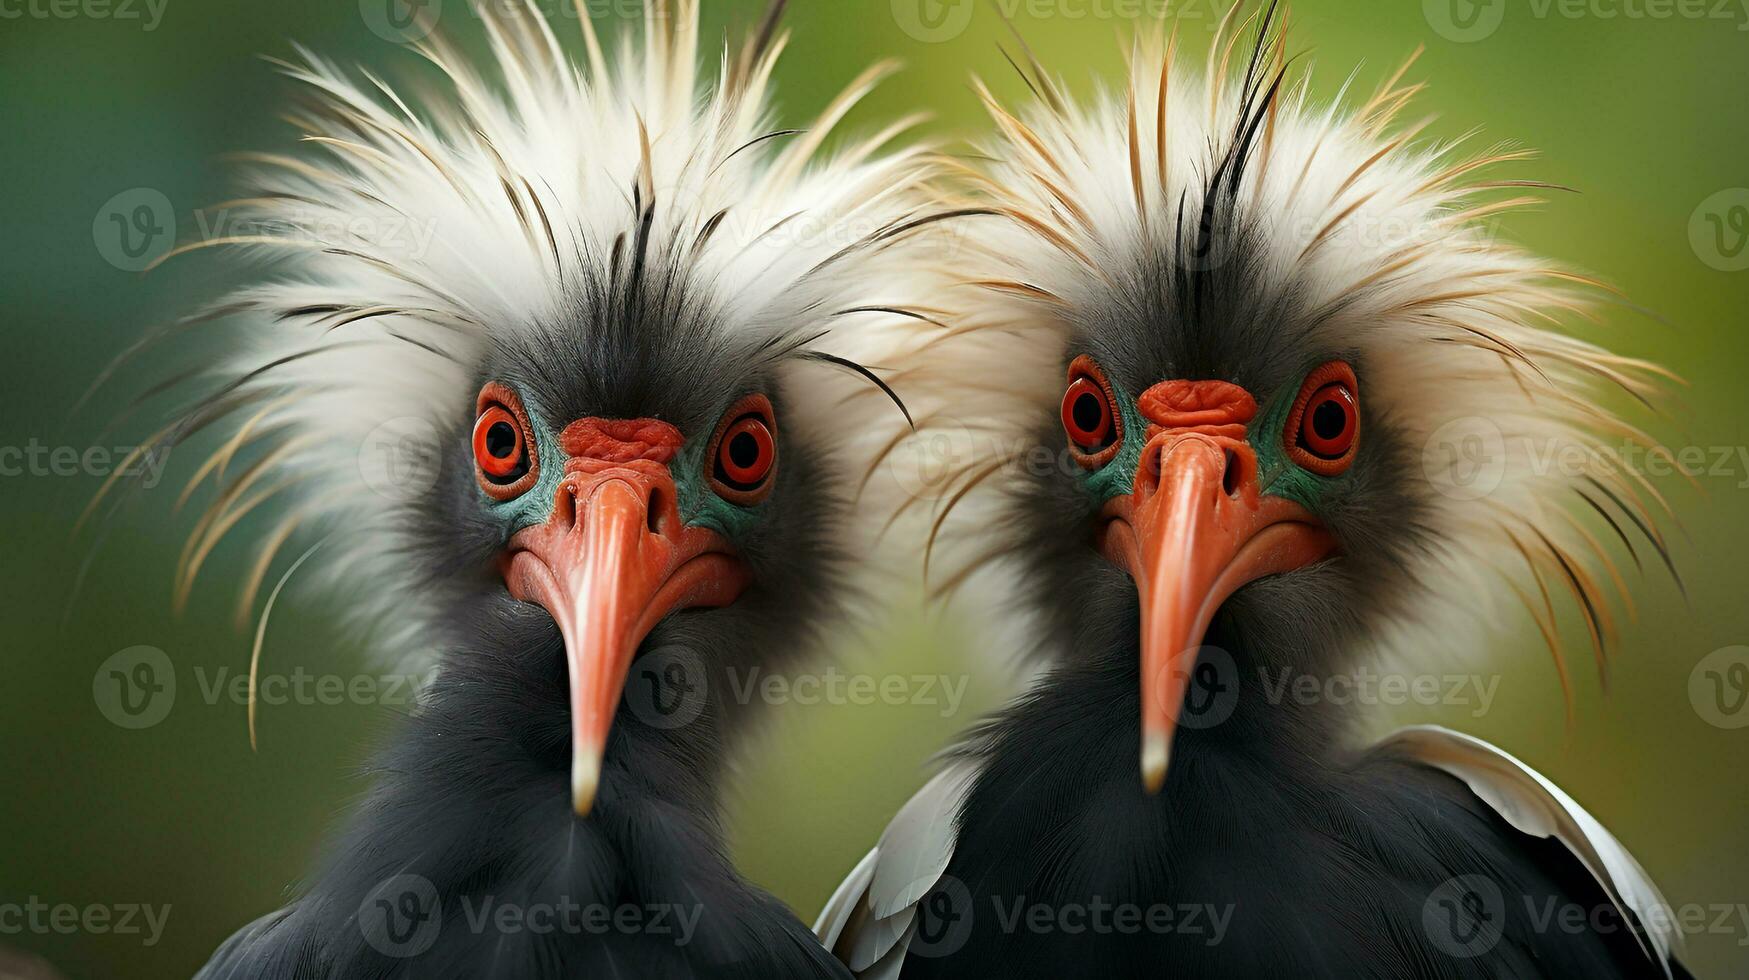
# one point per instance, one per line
(1385, 238)
(411, 233)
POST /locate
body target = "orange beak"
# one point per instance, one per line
(612, 560)
(1194, 530)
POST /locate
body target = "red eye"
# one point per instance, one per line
(498, 443)
(1090, 417)
(1325, 421)
(744, 452)
(502, 451)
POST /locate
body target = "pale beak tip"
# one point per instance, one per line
(585, 778)
(1156, 753)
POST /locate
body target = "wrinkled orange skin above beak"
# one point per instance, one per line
(1193, 530)
(610, 562)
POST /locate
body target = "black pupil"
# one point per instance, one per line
(501, 440)
(1328, 419)
(1087, 412)
(743, 450)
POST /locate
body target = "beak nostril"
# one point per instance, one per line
(1148, 474)
(565, 505)
(1231, 476)
(655, 510)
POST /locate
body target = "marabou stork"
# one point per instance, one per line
(1251, 326)
(624, 308)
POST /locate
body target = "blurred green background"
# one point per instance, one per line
(1645, 115)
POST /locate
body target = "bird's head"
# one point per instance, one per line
(567, 365)
(611, 482)
(1259, 337)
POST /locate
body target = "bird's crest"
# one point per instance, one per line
(410, 234)
(1186, 171)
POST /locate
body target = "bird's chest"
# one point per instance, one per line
(1074, 870)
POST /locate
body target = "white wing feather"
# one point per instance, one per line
(1535, 806)
(868, 921)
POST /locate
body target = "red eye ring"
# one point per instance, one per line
(1323, 428)
(495, 457)
(749, 435)
(1093, 442)
(503, 473)
(738, 479)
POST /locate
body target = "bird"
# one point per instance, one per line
(1272, 394)
(559, 369)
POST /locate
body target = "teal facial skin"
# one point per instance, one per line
(1278, 475)
(699, 505)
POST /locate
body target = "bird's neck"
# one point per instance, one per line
(1243, 700)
